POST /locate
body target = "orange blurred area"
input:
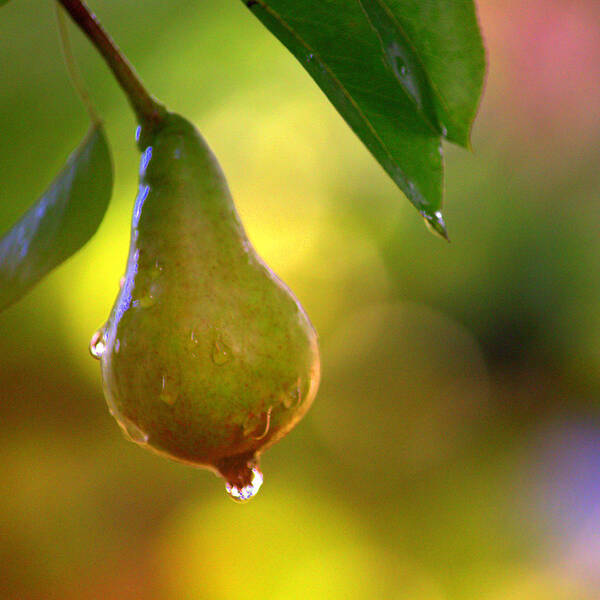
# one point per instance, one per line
(453, 451)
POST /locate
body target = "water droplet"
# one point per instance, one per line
(156, 271)
(435, 223)
(293, 397)
(193, 343)
(168, 392)
(117, 345)
(146, 301)
(245, 493)
(138, 132)
(149, 286)
(310, 57)
(399, 58)
(444, 131)
(132, 431)
(220, 352)
(257, 426)
(98, 344)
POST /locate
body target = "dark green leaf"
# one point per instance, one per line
(60, 222)
(390, 88)
(3, 2)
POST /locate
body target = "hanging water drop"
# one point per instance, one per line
(246, 492)
(97, 344)
(435, 223)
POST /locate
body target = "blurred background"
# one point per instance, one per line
(453, 451)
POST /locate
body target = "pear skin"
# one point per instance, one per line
(207, 357)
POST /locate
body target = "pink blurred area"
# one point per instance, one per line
(544, 69)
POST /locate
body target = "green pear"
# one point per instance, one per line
(207, 357)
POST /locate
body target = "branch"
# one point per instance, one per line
(148, 111)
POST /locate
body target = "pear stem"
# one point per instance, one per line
(147, 110)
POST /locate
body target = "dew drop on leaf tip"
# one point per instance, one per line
(435, 223)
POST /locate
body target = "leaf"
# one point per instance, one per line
(390, 88)
(60, 222)
(3, 2)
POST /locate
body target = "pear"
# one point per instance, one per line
(207, 357)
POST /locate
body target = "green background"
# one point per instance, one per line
(453, 451)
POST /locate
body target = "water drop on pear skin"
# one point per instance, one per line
(209, 358)
(221, 353)
(97, 344)
(168, 392)
(294, 396)
(147, 300)
(133, 432)
(193, 343)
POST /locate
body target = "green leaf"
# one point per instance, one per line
(391, 88)
(60, 222)
(3, 2)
